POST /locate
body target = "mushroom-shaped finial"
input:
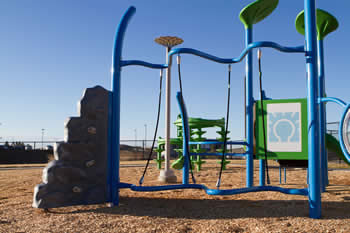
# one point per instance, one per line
(169, 41)
(326, 23)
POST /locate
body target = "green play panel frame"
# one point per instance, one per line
(281, 155)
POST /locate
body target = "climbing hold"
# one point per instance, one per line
(92, 130)
(90, 163)
(76, 189)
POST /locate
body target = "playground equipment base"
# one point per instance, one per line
(167, 176)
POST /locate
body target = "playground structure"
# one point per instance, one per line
(313, 51)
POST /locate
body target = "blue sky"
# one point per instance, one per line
(52, 50)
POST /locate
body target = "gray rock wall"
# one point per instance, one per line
(78, 175)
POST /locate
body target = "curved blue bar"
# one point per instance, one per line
(186, 137)
(166, 187)
(201, 54)
(219, 143)
(122, 185)
(302, 192)
(259, 44)
(143, 63)
(334, 100)
(114, 111)
(219, 154)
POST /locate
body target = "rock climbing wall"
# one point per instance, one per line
(78, 175)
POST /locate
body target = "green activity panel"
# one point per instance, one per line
(286, 129)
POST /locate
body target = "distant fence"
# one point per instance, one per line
(38, 151)
(34, 145)
(26, 151)
(17, 156)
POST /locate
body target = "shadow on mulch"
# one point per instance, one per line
(217, 209)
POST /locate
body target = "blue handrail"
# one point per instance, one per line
(259, 44)
(332, 99)
(218, 143)
(303, 192)
(143, 63)
(218, 154)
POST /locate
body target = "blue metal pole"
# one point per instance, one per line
(185, 169)
(285, 175)
(322, 115)
(280, 173)
(186, 138)
(249, 110)
(312, 106)
(113, 178)
(261, 172)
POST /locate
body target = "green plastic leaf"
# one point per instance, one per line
(179, 163)
(325, 23)
(257, 11)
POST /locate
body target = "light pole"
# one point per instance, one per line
(167, 175)
(135, 131)
(42, 139)
(145, 141)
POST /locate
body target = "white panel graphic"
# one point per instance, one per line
(284, 127)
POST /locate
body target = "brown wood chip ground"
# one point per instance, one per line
(180, 210)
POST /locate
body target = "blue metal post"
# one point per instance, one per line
(261, 172)
(322, 116)
(285, 175)
(186, 138)
(312, 106)
(113, 178)
(185, 169)
(249, 110)
(280, 173)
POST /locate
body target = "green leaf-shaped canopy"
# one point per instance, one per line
(325, 23)
(257, 11)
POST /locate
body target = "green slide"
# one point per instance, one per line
(332, 144)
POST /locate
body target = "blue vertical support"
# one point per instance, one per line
(280, 173)
(185, 139)
(113, 178)
(249, 110)
(322, 116)
(262, 172)
(285, 175)
(312, 106)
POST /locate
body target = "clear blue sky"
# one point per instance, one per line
(50, 51)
